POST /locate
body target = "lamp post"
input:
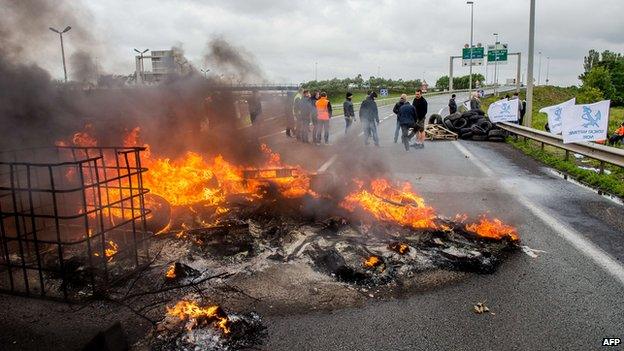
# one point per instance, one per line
(539, 68)
(205, 71)
(529, 92)
(141, 62)
(495, 64)
(62, 47)
(471, 3)
(547, 68)
(316, 71)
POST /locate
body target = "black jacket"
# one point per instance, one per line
(368, 110)
(421, 108)
(397, 106)
(452, 106)
(407, 114)
(347, 107)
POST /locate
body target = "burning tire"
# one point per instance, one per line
(159, 217)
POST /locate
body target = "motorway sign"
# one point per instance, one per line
(477, 56)
(497, 54)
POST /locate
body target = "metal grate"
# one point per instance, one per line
(72, 220)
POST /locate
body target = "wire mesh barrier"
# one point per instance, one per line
(72, 220)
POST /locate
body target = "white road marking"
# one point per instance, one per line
(272, 134)
(577, 240)
(327, 164)
(381, 121)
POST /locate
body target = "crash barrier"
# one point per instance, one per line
(602, 153)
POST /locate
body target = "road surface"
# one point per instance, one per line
(568, 297)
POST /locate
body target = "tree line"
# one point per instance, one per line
(603, 77)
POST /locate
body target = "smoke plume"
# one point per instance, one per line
(225, 57)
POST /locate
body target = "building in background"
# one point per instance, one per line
(165, 63)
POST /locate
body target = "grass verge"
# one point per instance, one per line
(612, 181)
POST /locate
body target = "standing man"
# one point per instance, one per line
(255, 106)
(349, 112)
(420, 105)
(313, 116)
(516, 96)
(323, 114)
(290, 114)
(396, 108)
(407, 121)
(452, 105)
(302, 113)
(369, 115)
(475, 103)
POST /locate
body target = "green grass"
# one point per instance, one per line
(554, 157)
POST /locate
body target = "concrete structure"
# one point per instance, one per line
(164, 64)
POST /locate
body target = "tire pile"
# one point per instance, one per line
(472, 124)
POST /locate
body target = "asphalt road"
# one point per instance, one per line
(569, 297)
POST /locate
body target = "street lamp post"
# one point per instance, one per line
(315, 71)
(141, 63)
(471, 3)
(495, 64)
(539, 69)
(547, 68)
(529, 92)
(62, 47)
(205, 71)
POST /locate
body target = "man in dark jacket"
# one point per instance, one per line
(396, 108)
(313, 117)
(369, 115)
(407, 120)
(452, 105)
(303, 109)
(349, 112)
(255, 106)
(420, 105)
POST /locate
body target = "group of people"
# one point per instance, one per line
(314, 109)
(411, 120)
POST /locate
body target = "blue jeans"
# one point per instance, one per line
(322, 130)
(370, 128)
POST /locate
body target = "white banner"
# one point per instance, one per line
(585, 122)
(554, 114)
(504, 111)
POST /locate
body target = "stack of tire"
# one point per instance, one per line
(472, 124)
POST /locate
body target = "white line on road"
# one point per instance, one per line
(327, 164)
(577, 240)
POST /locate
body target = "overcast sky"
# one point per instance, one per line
(403, 39)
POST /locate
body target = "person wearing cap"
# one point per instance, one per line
(369, 115)
(396, 108)
(349, 112)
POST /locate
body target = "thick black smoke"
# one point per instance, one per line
(224, 56)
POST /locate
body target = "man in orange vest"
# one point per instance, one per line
(618, 136)
(323, 114)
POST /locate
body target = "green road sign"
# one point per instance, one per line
(477, 53)
(497, 53)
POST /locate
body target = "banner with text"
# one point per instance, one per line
(585, 122)
(504, 111)
(554, 114)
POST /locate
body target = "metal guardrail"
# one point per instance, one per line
(598, 152)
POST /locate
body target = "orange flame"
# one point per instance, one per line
(372, 262)
(390, 204)
(400, 248)
(197, 314)
(494, 229)
(171, 272)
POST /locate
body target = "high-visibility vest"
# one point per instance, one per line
(321, 109)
